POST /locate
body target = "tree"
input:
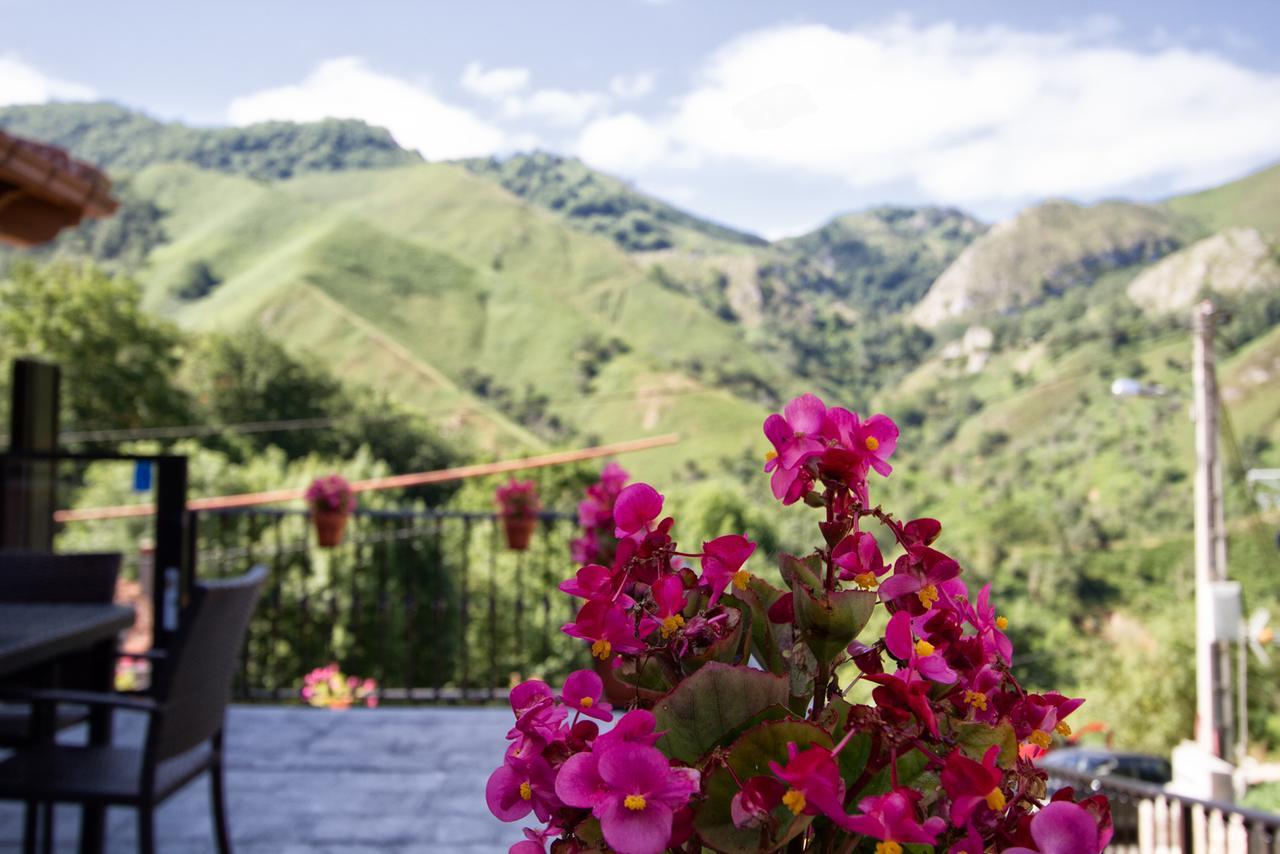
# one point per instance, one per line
(118, 362)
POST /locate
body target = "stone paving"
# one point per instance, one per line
(315, 781)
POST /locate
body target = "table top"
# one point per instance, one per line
(33, 632)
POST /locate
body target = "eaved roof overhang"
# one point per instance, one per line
(43, 190)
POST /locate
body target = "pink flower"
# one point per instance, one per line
(635, 727)
(636, 509)
(632, 790)
(1062, 827)
(796, 439)
(669, 601)
(816, 785)
(892, 818)
(518, 498)
(582, 692)
(520, 786)
(607, 626)
(859, 559)
(990, 627)
(970, 784)
(920, 655)
(752, 806)
(722, 558)
(594, 582)
(921, 571)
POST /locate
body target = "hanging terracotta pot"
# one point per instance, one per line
(519, 530)
(330, 526)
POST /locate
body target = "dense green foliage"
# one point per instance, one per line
(599, 204)
(123, 141)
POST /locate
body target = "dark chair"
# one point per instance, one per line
(186, 712)
(27, 576)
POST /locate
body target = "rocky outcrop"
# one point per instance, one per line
(1232, 261)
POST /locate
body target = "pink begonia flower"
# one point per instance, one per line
(982, 616)
(859, 559)
(796, 439)
(520, 786)
(921, 532)
(608, 627)
(582, 692)
(892, 818)
(594, 581)
(871, 442)
(752, 806)
(669, 598)
(921, 571)
(904, 694)
(637, 507)
(637, 726)
(969, 783)
(632, 790)
(536, 711)
(1062, 827)
(535, 841)
(722, 558)
(919, 655)
(816, 785)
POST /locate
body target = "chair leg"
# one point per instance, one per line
(146, 829)
(46, 818)
(218, 798)
(30, 827)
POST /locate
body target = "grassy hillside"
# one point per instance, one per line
(122, 140)
(1249, 202)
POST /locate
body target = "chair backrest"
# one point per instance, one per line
(193, 682)
(27, 576)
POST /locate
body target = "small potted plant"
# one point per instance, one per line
(332, 503)
(518, 505)
(329, 688)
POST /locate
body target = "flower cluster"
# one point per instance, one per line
(518, 498)
(595, 516)
(569, 774)
(765, 719)
(328, 688)
(331, 493)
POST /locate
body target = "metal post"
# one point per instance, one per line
(26, 521)
(1212, 665)
(175, 540)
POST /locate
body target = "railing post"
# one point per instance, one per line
(174, 553)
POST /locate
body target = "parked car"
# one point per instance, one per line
(1092, 762)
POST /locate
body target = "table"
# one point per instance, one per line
(33, 633)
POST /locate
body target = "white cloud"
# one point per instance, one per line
(21, 83)
(494, 82)
(632, 85)
(622, 143)
(962, 115)
(347, 88)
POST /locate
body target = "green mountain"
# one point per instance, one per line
(532, 302)
(122, 141)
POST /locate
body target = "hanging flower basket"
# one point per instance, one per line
(518, 504)
(330, 526)
(332, 503)
(519, 530)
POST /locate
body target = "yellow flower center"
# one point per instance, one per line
(924, 648)
(976, 699)
(888, 847)
(1063, 729)
(526, 791)
(928, 595)
(872, 443)
(794, 799)
(995, 799)
(770, 455)
(866, 580)
(1002, 623)
(671, 625)
(602, 649)
(1040, 738)
(634, 802)
(741, 579)
(587, 702)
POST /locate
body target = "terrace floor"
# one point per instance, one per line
(317, 781)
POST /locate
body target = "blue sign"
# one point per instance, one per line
(142, 476)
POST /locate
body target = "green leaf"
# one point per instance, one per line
(807, 571)
(910, 767)
(975, 739)
(734, 647)
(830, 621)
(759, 597)
(750, 756)
(703, 710)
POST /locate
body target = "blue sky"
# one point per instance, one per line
(768, 116)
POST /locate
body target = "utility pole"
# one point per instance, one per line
(1212, 652)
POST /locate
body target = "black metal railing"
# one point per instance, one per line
(1148, 817)
(432, 604)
